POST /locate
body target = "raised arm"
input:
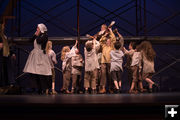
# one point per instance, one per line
(102, 41)
(112, 36)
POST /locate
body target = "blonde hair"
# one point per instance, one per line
(64, 50)
(48, 44)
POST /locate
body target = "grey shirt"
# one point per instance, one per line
(116, 60)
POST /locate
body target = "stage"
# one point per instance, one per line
(82, 106)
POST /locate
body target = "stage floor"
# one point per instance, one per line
(151, 98)
(87, 107)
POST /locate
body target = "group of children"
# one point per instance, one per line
(104, 57)
(103, 64)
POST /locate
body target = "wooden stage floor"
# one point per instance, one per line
(86, 107)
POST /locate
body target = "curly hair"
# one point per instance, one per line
(147, 49)
(64, 50)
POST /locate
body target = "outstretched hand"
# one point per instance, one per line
(76, 42)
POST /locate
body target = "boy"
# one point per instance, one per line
(116, 65)
(77, 65)
(91, 64)
(107, 42)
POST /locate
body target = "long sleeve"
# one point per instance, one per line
(32, 38)
(42, 38)
(113, 38)
(54, 58)
(71, 53)
(97, 46)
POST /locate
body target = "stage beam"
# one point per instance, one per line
(70, 40)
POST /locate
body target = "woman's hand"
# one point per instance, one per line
(37, 33)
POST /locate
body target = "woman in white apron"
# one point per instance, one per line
(38, 64)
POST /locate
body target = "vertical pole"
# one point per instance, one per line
(145, 30)
(78, 31)
(19, 34)
(19, 20)
(137, 30)
(12, 20)
(140, 17)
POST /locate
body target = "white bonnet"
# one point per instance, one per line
(42, 27)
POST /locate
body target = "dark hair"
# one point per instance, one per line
(133, 44)
(117, 45)
(89, 46)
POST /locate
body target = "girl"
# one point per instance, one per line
(52, 58)
(148, 56)
(66, 55)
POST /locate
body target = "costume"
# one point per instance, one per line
(38, 64)
(116, 64)
(91, 65)
(77, 66)
(105, 61)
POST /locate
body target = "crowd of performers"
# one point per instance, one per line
(103, 64)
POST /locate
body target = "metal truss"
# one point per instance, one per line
(14, 8)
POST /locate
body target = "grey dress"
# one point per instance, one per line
(38, 62)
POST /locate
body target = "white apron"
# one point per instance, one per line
(38, 62)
